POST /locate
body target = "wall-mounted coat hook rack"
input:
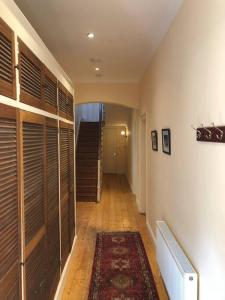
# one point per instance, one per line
(213, 134)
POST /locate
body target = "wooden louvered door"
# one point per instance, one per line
(31, 72)
(70, 107)
(9, 206)
(50, 91)
(64, 191)
(34, 207)
(71, 185)
(62, 96)
(52, 205)
(7, 61)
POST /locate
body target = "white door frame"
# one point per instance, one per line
(142, 160)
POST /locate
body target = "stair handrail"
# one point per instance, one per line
(101, 124)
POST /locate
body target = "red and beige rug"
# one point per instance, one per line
(121, 270)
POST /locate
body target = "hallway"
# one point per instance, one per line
(116, 212)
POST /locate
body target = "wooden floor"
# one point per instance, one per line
(116, 212)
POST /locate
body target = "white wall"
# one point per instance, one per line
(132, 148)
(184, 85)
(117, 115)
(90, 112)
(126, 94)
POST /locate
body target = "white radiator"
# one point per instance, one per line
(179, 276)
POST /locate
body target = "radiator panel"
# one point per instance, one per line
(178, 274)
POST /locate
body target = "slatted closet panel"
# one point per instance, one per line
(9, 206)
(50, 91)
(71, 185)
(70, 107)
(52, 205)
(31, 73)
(7, 61)
(34, 205)
(64, 190)
(62, 96)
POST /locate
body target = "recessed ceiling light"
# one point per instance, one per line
(97, 69)
(90, 35)
(95, 60)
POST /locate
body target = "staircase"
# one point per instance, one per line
(87, 154)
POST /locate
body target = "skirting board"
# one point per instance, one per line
(130, 184)
(61, 285)
(151, 232)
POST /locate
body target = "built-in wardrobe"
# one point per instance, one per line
(37, 218)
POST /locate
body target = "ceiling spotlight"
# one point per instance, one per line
(97, 69)
(90, 35)
(95, 60)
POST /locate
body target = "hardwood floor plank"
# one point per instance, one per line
(117, 211)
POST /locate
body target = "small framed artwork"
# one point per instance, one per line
(166, 141)
(154, 135)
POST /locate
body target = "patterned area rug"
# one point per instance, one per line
(121, 270)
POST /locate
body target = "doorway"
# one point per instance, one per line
(143, 165)
(114, 150)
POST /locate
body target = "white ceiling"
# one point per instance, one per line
(127, 32)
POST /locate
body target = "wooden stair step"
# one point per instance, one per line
(87, 163)
(86, 182)
(89, 138)
(86, 198)
(89, 124)
(87, 149)
(87, 190)
(86, 155)
(87, 176)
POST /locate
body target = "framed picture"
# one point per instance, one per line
(154, 135)
(166, 141)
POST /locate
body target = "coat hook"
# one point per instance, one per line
(199, 134)
(209, 132)
(220, 134)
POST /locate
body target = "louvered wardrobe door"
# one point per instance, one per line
(30, 69)
(9, 206)
(71, 185)
(7, 61)
(50, 91)
(62, 100)
(52, 205)
(34, 206)
(70, 107)
(64, 186)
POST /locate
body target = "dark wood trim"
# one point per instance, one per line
(62, 87)
(7, 111)
(70, 126)
(24, 96)
(49, 108)
(45, 198)
(30, 117)
(51, 122)
(19, 197)
(7, 89)
(22, 216)
(47, 73)
(62, 114)
(63, 124)
(70, 114)
(34, 242)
